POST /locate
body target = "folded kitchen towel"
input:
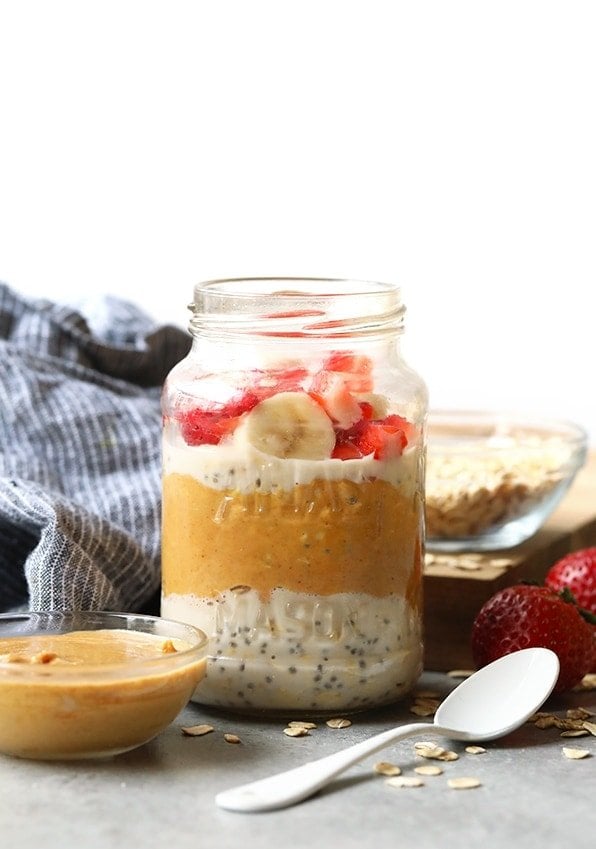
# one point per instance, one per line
(80, 453)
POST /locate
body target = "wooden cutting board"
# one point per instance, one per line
(456, 586)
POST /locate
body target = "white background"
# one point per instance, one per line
(448, 146)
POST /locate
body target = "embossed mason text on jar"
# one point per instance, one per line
(293, 471)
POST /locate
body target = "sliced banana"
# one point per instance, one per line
(289, 425)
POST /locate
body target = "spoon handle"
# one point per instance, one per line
(287, 788)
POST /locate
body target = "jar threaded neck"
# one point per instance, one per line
(296, 307)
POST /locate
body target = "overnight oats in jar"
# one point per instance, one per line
(293, 472)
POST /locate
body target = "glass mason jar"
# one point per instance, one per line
(293, 474)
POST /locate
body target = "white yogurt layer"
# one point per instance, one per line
(245, 469)
(297, 652)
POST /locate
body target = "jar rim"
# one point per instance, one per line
(227, 287)
(310, 307)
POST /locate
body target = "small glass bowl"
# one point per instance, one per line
(54, 707)
(492, 479)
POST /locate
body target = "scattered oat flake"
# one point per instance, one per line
(578, 713)
(428, 770)
(425, 744)
(460, 673)
(426, 702)
(578, 732)
(405, 781)
(196, 730)
(539, 715)
(339, 722)
(589, 726)
(569, 724)
(430, 751)
(576, 754)
(501, 561)
(588, 682)
(385, 768)
(546, 722)
(232, 738)
(463, 783)
(467, 565)
(422, 710)
(448, 756)
(296, 731)
(437, 753)
(475, 750)
(426, 694)
(300, 723)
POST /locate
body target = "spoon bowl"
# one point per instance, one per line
(491, 703)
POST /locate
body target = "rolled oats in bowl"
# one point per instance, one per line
(492, 479)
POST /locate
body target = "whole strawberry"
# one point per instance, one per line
(524, 615)
(577, 572)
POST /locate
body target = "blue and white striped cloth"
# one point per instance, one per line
(80, 453)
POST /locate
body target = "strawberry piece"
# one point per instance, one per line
(331, 392)
(209, 427)
(346, 451)
(402, 424)
(381, 439)
(269, 383)
(244, 403)
(367, 410)
(200, 427)
(522, 616)
(356, 370)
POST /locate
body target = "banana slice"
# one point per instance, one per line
(289, 425)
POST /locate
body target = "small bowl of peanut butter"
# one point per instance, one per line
(92, 684)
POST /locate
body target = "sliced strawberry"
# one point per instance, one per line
(330, 391)
(240, 404)
(208, 427)
(346, 451)
(403, 424)
(367, 410)
(356, 370)
(382, 440)
(200, 427)
(349, 363)
(272, 381)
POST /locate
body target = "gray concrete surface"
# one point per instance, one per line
(162, 795)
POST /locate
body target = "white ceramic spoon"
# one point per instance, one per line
(491, 703)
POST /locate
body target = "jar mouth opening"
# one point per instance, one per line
(289, 288)
(296, 306)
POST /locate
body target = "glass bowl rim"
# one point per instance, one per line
(569, 431)
(133, 668)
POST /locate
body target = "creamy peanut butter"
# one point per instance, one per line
(209, 544)
(90, 693)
